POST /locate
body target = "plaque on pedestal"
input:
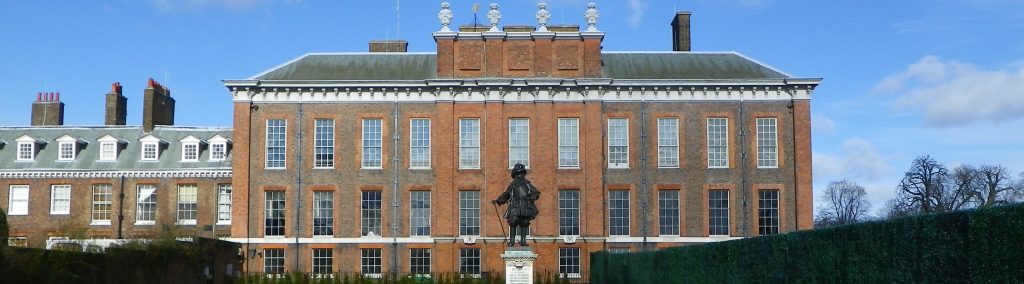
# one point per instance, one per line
(519, 265)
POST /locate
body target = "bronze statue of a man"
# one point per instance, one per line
(520, 196)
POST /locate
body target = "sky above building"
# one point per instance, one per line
(901, 78)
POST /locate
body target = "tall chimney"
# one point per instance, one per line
(117, 106)
(389, 46)
(157, 106)
(47, 110)
(681, 31)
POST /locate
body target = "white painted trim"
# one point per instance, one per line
(525, 90)
(50, 174)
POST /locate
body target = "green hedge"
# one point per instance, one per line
(980, 246)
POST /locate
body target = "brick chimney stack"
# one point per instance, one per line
(681, 31)
(117, 106)
(47, 110)
(157, 106)
(389, 46)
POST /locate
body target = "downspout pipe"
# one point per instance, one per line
(298, 183)
(120, 211)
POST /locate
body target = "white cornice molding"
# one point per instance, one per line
(531, 90)
(206, 173)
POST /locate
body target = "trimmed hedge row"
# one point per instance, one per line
(161, 263)
(980, 246)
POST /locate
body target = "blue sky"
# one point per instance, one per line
(902, 78)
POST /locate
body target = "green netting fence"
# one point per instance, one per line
(977, 246)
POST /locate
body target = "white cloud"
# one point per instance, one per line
(859, 160)
(637, 9)
(822, 123)
(953, 93)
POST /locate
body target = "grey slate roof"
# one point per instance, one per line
(128, 158)
(616, 65)
(357, 66)
(685, 65)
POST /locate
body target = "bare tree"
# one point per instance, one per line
(964, 185)
(922, 185)
(845, 203)
(896, 208)
(994, 186)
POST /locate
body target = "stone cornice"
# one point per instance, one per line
(523, 90)
(114, 174)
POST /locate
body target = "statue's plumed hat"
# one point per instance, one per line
(518, 168)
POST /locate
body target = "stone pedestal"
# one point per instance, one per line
(519, 265)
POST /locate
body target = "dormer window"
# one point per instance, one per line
(27, 148)
(218, 148)
(67, 147)
(151, 148)
(109, 147)
(190, 149)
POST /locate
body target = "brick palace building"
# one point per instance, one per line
(94, 185)
(387, 161)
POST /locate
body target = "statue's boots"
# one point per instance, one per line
(522, 236)
(512, 236)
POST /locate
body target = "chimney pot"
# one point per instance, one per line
(58, 97)
(39, 96)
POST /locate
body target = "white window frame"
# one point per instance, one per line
(718, 143)
(372, 213)
(767, 142)
(371, 262)
(424, 213)
(614, 164)
(518, 142)
(375, 160)
(668, 212)
(323, 143)
(419, 144)
(150, 147)
(31, 150)
(626, 208)
(66, 151)
(108, 151)
(224, 204)
(568, 211)
(323, 209)
(469, 143)
(150, 141)
(668, 142)
(568, 261)
(218, 148)
(139, 203)
(569, 143)
(190, 149)
(278, 258)
(768, 213)
(469, 216)
(712, 219)
(271, 162)
(320, 257)
(109, 148)
(182, 200)
(466, 267)
(102, 194)
(417, 261)
(18, 200)
(60, 199)
(26, 151)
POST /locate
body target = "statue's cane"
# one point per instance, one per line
(502, 222)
